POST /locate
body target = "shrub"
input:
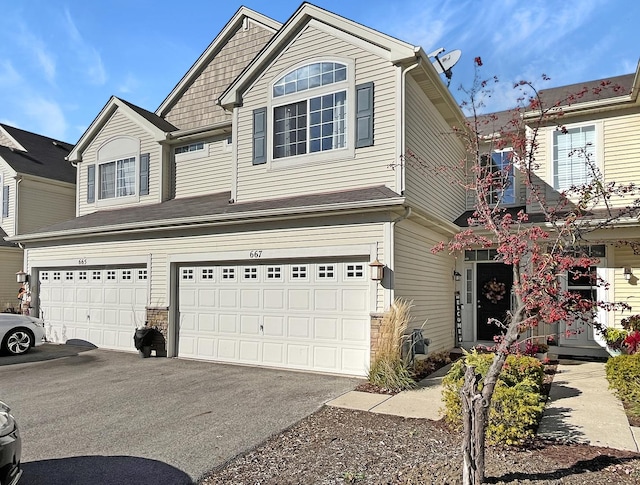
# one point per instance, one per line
(623, 374)
(388, 369)
(517, 403)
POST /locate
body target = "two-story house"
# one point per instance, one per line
(600, 119)
(243, 215)
(37, 188)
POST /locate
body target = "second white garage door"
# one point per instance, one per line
(101, 306)
(306, 315)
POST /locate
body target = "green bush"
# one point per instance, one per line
(516, 406)
(623, 374)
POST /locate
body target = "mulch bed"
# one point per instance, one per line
(334, 446)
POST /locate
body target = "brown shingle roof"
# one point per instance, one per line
(208, 208)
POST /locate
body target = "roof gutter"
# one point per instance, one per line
(609, 103)
(221, 128)
(213, 220)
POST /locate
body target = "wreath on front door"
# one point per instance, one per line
(494, 290)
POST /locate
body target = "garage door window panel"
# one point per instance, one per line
(228, 273)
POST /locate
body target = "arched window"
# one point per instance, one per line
(314, 122)
(309, 77)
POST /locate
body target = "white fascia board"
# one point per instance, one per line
(17, 144)
(395, 50)
(210, 52)
(212, 220)
(107, 110)
(180, 136)
(98, 123)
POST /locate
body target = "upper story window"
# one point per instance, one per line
(501, 166)
(310, 76)
(314, 110)
(316, 123)
(117, 178)
(574, 156)
(193, 147)
(120, 171)
(4, 197)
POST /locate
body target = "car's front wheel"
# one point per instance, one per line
(18, 341)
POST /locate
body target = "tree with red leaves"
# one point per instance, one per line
(540, 251)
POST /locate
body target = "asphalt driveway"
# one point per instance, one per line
(92, 416)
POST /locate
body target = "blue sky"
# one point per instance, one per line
(61, 60)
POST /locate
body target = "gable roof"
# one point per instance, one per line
(151, 122)
(393, 49)
(40, 155)
(214, 48)
(213, 209)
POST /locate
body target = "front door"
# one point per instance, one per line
(493, 292)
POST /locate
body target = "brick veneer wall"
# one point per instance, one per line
(159, 318)
(376, 322)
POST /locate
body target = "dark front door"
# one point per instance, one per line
(493, 296)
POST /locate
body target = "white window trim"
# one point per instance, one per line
(194, 155)
(598, 151)
(516, 177)
(126, 199)
(319, 157)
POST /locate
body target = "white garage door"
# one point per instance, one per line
(96, 305)
(312, 316)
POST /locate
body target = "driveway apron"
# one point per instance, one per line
(97, 416)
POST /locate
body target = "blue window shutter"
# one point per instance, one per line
(91, 184)
(259, 136)
(5, 201)
(144, 174)
(364, 115)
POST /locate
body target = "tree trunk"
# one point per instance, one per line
(474, 413)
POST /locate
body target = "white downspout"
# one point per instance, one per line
(403, 116)
(390, 256)
(15, 206)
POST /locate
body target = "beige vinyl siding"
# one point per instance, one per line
(427, 135)
(43, 203)
(623, 290)
(8, 223)
(159, 249)
(369, 167)
(11, 260)
(120, 125)
(618, 152)
(206, 175)
(427, 280)
(622, 152)
(197, 106)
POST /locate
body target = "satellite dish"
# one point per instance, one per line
(444, 63)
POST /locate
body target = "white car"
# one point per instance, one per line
(18, 333)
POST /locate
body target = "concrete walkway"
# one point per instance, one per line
(581, 408)
(424, 402)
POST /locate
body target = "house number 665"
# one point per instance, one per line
(82, 261)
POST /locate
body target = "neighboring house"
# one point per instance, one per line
(37, 188)
(606, 124)
(242, 216)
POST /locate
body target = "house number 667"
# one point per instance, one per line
(255, 254)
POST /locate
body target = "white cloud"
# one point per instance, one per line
(87, 54)
(129, 84)
(39, 51)
(47, 115)
(9, 76)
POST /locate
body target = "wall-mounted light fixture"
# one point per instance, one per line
(456, 275)
(627, 274)
(22, 277)
(377, 270)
